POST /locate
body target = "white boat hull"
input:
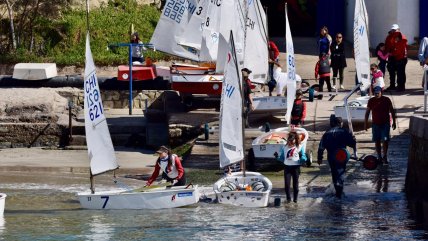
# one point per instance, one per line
(254, 198)
(157, 198)
(357, 109)
(2, 203)
(265, 145)
(269, 104)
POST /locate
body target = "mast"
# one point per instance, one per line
(91, 177)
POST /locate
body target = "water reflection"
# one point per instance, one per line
(2, 224)
(99, 228)
(382, 179)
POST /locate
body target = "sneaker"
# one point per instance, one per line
(333, 87)
(342, 87)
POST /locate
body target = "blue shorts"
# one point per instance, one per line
(380, 132)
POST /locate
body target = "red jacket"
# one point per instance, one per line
(273, 50)
(178, 165)
(396, 49)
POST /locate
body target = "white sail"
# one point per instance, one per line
(291, 69)
(232, 19)
(361, 44)
(174, 19)
(211, 31)
(100, 148)
(192, 35)
(256, 50)
(231, 129)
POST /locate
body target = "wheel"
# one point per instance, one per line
(305, 86)
(309, 158)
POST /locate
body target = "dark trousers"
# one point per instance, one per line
(382, 66)
(327, 81)
(291, 172)
(335, 72)
(397, 71)
(181, 181)
(338, 176)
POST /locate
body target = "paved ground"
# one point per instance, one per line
(141, 161)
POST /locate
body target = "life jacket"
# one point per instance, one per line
(297, 108)
(171, 171)
(324, 66)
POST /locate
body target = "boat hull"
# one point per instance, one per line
(197, 84)
(265, 145)
(357, 108)
(269, 104)
(139, 73)
(2, 203)
(157, 198)
(254, 198)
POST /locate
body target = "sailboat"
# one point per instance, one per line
(247, 189)
(355, 110)
(2, 203)
(103, 159)
(265, 145)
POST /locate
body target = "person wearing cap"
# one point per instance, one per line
(335, 139)
(380, 107)
(396, 46)
(248, 99)
(298, 112)
(170, 165)
(377, 78)
(137, 51)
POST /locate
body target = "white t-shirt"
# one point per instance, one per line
(281, 80)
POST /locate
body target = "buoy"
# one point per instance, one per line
(342, 156)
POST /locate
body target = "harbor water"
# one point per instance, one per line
(44, 206)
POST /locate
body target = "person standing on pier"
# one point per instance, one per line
(334, 140)
(380, 106)
(248, 99)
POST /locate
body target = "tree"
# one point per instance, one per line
(9, 6)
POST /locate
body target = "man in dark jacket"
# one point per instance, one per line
(335, 139)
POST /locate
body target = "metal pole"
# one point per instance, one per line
(348, 114)
(130, 79)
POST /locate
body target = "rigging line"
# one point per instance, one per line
(259, 17)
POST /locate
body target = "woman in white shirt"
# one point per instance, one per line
(289, 155)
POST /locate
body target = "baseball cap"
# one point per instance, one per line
(246, 70)
(395, 26)
(377, 89)
(162, 149)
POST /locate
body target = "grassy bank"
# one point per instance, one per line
(61, 39)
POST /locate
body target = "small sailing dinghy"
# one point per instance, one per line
(103, 159)
(2, 203)
(247, 189)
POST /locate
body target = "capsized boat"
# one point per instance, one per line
(247, 189)
(103, 159)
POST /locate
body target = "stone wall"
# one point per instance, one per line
(417, 169)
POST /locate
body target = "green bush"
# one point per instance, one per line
(62, 40)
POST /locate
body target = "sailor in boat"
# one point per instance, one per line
(248, 99)
(335, 141)
(170, 165)
(281, 78)
(298, 113)
(290, 156)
